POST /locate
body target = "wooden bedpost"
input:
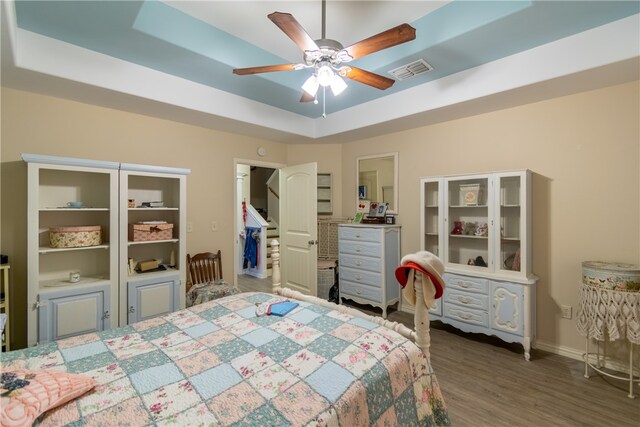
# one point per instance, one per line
(421, 315)
(275, 265)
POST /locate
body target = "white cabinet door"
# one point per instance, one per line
(468, 203)
(73, 312)
(152, 297)
(508, 307)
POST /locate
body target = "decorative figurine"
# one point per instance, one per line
(457, 227)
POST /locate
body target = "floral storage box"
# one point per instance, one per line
(611, 275)
(75, 237)
(148, 232)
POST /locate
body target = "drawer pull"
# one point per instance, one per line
(358, 235)
(464, 300)
(357, 249)
(465, 316)
(358, 291)
(358, 263)
(464, 285)
(358, 278)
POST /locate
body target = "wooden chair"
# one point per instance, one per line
(204, 267)
(205, 279)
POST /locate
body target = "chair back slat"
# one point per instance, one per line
(204, 267)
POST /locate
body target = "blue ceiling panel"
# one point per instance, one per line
(457, 36)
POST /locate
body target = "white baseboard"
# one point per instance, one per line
(616, 365)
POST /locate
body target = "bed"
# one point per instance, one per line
(218, 363)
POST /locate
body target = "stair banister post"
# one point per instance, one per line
(275, 265)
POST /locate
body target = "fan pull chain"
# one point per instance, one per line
(324, 102)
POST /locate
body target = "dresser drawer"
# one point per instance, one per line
(467, 299)
(348, 288)
(357, 248)
(436, 307)
(363, 263)
(468, 284)
(360, 234)
(361, 276)
(467, 315)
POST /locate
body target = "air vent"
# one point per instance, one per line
(410, 70)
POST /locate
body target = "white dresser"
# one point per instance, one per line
(368, 257)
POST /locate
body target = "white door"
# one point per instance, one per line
(299, 228)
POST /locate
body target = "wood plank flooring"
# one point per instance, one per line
(486, 382)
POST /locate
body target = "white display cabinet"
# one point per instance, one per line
(480, 226)
(106, 295)
(52, 183)
(164, 290)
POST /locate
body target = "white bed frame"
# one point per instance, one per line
(421, 317)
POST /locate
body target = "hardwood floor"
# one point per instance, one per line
(487, 382)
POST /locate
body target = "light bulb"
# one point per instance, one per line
(338, 85)
(325, 75)
(311, 85)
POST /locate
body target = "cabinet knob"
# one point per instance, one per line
(313, 242)
(131, 309)
(106, 315)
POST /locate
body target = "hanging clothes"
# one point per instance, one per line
(251, 247)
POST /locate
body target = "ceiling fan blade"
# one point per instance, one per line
(264, 69)
(306, 97)
(392, 37)
(292, 28)
(367, 77)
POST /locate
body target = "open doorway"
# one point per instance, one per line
(291, 218)
(259, 210)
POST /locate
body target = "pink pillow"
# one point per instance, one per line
(26, 394)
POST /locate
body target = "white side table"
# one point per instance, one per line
(607, 315)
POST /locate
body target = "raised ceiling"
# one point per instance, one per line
(174, 59)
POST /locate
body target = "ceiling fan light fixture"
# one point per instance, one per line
(325, 75)
(338, 85)
(311, 85)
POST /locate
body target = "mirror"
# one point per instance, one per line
(377, 178)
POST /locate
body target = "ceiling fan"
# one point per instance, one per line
(327, 57)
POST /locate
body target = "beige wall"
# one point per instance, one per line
(584, 152)
(38, 124)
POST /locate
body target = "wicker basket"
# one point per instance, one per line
(75, 237)
(148, 232)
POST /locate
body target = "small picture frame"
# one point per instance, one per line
(363, 206)
(373, 209)
(382, 210)
(390, 219)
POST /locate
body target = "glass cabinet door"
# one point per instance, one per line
(469, 210)
(432, 221)
(509, 245)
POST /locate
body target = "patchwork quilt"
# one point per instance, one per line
(218, 363)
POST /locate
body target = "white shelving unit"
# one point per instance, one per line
(325, 196)
(56, 307)
(497, 298)
(146, 295)
(101, 298)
